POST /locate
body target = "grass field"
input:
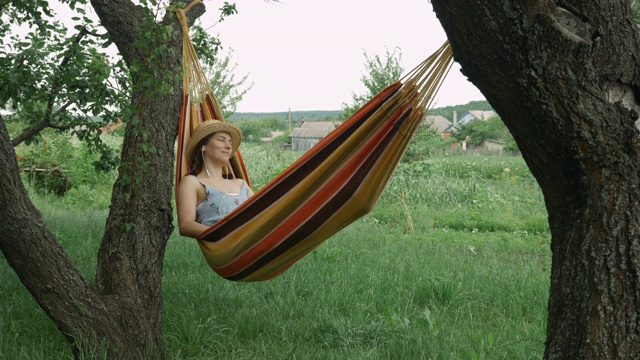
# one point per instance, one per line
(453, 263)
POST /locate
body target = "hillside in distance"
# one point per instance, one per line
(329, 115)
(447, 111)
(296, 116)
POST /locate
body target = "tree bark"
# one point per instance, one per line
(563, 75)
(124, 309)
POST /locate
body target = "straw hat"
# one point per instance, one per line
(209, 127)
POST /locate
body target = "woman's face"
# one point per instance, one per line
(219, 147)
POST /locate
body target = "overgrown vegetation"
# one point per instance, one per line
(425, 144)
(64, 166)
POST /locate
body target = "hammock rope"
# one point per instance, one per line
(330, 186)
(198, 104)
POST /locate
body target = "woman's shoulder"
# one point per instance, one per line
(190, 180)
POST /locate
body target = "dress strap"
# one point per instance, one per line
(198, 180)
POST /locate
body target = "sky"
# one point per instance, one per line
(309, 54)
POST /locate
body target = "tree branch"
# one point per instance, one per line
(45, 123)
(57, 83)
(32, 131)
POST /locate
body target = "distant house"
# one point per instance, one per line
(309, 133)
(471, 115)
(468, 117)
(440, 123)
(494, 145)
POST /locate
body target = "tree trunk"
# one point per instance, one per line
(124, 309)
(563, 75)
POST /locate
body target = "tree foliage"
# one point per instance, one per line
(380, 72)
(424, 144)
(253, 130)
(58, 77)
(66, 76)
(228, 90)
(478, 131)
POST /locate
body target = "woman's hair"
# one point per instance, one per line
(198, 160)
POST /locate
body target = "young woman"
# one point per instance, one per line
(205, 195)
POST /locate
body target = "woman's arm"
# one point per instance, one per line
(186, 203)
(250, 191)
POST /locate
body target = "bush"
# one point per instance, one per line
(45, 161)
(493, 128)
(424, 145)
(61, 165)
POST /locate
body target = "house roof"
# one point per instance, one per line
(312, 129)
(482, 114)
(472, 115)
(440, 123)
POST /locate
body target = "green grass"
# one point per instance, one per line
(453, 263)
(368, 294)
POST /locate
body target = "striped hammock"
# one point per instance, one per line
(336, 182)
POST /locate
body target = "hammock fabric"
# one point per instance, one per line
(336, 182)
